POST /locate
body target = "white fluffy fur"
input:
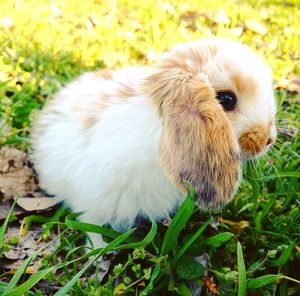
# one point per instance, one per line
(111, 170)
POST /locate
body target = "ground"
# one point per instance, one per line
(250, 247)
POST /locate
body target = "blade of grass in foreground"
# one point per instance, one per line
(219, 239)
(2, 287)
(5, 223)
(262, 281)
(267, 279)
(147, 240)
(25, 287)
(88, 227)
(191, 240)
(154, 275)
(179, 221)
(241, 271)
(115, 243)
(13, 282)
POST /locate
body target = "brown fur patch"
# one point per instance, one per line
(104, 74)
(197, 142)
(189, 60)
(244, 84)
(88, 122)
(124, 92)
(254, 140)
(120, 92)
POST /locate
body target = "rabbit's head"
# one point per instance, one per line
(216, 102)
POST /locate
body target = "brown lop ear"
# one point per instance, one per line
(197, 142)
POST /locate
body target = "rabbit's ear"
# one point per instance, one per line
(197, 142)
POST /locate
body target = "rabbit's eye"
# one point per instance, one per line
(227, 99)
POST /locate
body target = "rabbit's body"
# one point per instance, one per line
(118, 145)
(116, 166)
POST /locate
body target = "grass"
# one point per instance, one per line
(252, 245)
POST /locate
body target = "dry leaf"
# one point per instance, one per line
(190, 15)
(37, 204)
(218, 17)
(237, 31)
(256, 27)
(238, 227)
(15, 257)
(5, 207)
(291, 85)
(15, 254)
(104, 266)
(56, 10)
(7, 23)
(16, 177)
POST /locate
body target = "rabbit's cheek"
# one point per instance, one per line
(254, 141)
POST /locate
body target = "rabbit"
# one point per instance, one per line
(118, 145)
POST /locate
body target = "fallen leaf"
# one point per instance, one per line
(56, 10)
(37, 204)
(7, 23)
(5, 207)
(237, 31)
(236, 227)
(48, 287)
(16, 177)
(104, 266)
(14, 254)
(15, 257)
(218, 17)
(190, 15)
(291, 85)
(256, 27)
(225, 221)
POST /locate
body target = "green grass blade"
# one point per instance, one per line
(282, 174)
(154, 275)
(284, 257)
(191, 241)
(115, 243)
(262, 281)
(5, 223)
(147, 240)
(72, 282)
(25, 287)
(178, 222)
(40, 275)
(3, 285)
(241, 271)
(13, 282)
(88, 227)
(48, 226)
(280, 235)
(219, 239)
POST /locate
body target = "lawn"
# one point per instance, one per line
(250, 247)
